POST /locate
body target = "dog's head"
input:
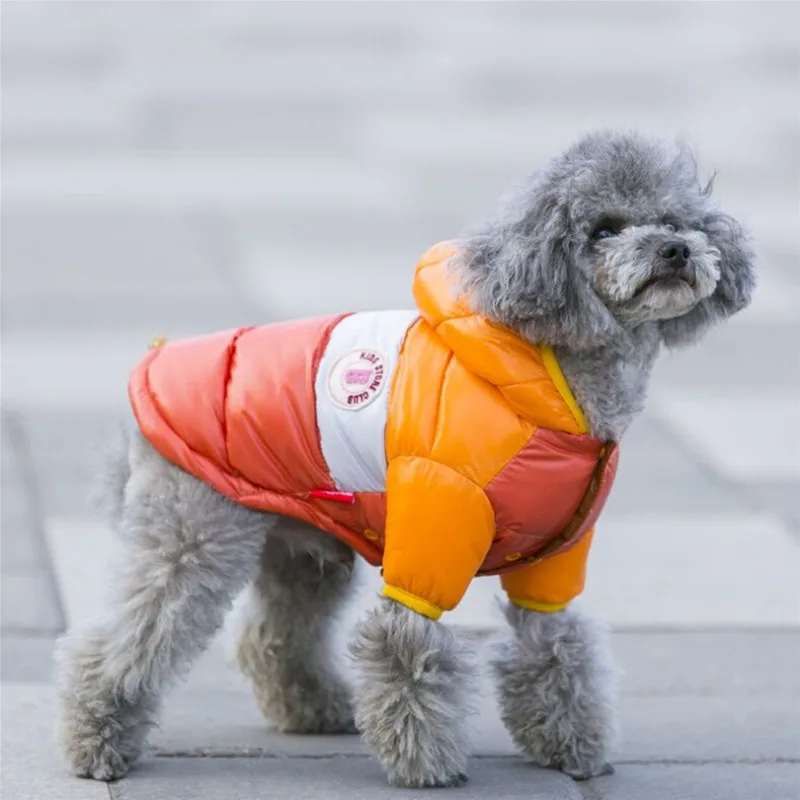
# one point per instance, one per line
(618, 232)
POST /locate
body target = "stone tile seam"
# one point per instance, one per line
(749, 500)
(480, 633)
(30, 634)
(266, 756)
(222, 246)
(15, 428)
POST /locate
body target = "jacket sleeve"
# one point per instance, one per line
(439, 528)
(551, 584)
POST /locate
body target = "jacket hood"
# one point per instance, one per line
(528, 376)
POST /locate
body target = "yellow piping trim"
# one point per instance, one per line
(413, 602)
(534, 605)
(557, 376)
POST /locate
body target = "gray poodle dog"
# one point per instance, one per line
(608, 255)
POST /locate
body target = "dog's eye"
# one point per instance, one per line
(606, 228)
(604, 233)
(671, 226)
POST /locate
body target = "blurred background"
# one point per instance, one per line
(177, 167)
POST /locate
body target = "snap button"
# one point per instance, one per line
(157, 341)
(371, 534)
(513, 557)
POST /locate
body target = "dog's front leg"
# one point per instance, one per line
(556, 689)
(413, 701)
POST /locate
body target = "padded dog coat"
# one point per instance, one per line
(434, 442)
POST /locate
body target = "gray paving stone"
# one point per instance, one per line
(762, 356)
(668, 728)
(782, 257)
(743, 436)
(684, 697)
(69, 493)
(26, 659)
(767, 781)
(20, 541)
(389, 33)
(19, 537)
(108, 251)
(29, 602)
(66, 448)
(327, 778)
(140, 312)
(780, 497)
(491, 88)
(292, 126)
(7, 450)
(64, 438)
(335, 230)
(84, 113)
(32, 769)
(656, 475)
(28, 599)
(702, 728)
(709, 663)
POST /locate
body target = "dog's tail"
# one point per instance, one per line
(113, 473)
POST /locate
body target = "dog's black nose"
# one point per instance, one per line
(676, 253)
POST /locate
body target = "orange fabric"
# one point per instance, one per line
(439, 521)
(487, 454)
(471, 396)
(552, 581)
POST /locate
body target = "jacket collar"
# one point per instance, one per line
(529, 377)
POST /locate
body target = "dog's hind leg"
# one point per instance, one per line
(414, 696)
(555, 682)
(285, 648)
(190, 551)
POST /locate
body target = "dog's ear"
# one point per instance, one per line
(519, 271)
(734, 290)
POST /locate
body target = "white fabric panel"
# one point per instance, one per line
(352, 392)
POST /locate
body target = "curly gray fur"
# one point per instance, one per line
(285, 649)
(413, 699)
(112, 473)
(556, 688)
(577, 259)
(189, 552)
(540, 267)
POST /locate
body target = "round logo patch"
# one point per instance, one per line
(356, 379)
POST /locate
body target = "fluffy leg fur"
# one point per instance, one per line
(556, 689)
(284, 649)
(413, 700)
(189, 552)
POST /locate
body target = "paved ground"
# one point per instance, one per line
(177, 168)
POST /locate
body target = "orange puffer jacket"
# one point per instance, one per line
(434, 442)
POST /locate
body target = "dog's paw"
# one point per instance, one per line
(319, 709)
(320, 725)
(433, 781)
(100, 761)
(584, 772)
(101, 747)
(104, 767)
